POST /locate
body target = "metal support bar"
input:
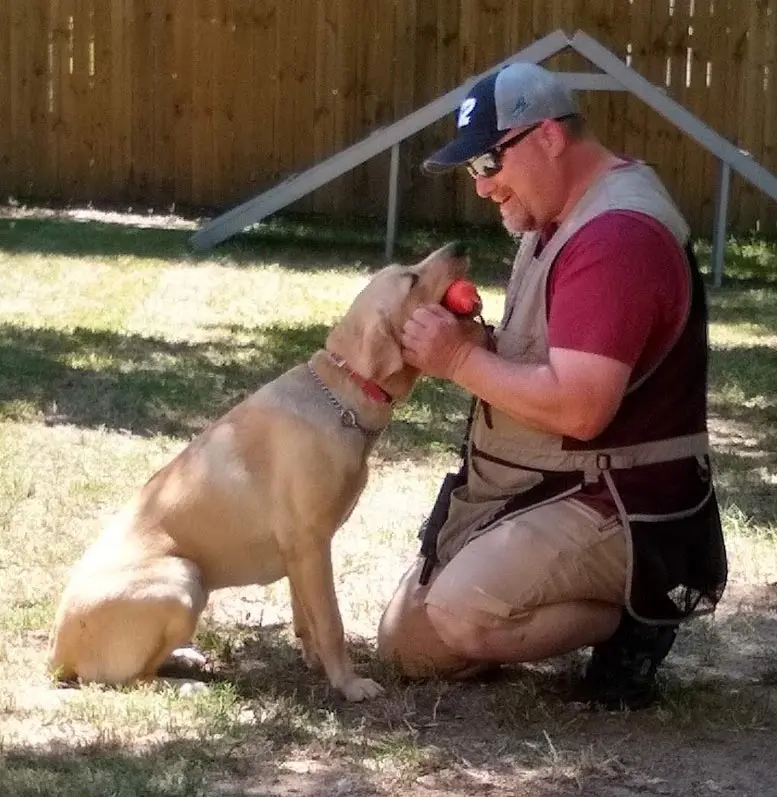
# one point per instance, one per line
(720, 232)
(299, 185)
(391, 218)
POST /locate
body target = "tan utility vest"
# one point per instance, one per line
(504, 457)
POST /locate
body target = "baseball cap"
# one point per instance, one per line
(520, 95)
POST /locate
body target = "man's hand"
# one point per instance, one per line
(437, 342)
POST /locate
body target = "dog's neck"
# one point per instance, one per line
(355, 406)
(369, 387)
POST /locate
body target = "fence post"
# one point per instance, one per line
(720, 233)
(391, 219)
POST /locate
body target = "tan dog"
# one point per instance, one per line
(257, 496)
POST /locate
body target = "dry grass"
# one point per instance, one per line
(117, 345)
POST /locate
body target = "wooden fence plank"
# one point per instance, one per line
(472, 207)
(65, 108)
(163, 86)
(679, 89)
(217, 156)
(699, 190)
(452, 189)
(19, 106)
(767, 208)
(8, 167)
(731, 78)
(325, 97)
(223, 130)
(597, 107)
(37, 128)
(377, 102)
(122, 101)
(351, 28)
(427, 89)
(659, 134)
(182, 101)
(285, 100)
(303, 88)
(202, 102)
(341, 79)
(244, 166)
(751, 135)
(404, 101)
(100, 87)
(619, 26)
(141, 82)
(265, 77)
(636, 110)
(82, 119)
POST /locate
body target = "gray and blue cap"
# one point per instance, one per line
(520, 95)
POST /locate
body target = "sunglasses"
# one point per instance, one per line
(490, 162)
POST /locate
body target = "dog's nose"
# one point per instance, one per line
(456, 249)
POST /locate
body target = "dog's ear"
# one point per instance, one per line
(370, 348)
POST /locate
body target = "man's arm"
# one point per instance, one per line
(576, 394)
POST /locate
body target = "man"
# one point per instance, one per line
(584, 513)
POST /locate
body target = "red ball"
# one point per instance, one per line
(462, 298)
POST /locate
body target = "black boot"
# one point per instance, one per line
(622, 671)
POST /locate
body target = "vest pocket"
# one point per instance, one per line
(489, 480)
(464, 515)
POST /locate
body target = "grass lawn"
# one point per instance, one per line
(118, 344)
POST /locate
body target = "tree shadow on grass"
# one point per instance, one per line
(149, 385)
(303, 243)
(746, 428)
(146, 385)
(230, 768)
(755, 307)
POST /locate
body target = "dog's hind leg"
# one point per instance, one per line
(119, 638)
(179, 629)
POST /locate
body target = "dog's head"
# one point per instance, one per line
(368, 336)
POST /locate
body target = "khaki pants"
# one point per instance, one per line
(563, 552)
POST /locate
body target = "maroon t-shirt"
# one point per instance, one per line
(619, 288)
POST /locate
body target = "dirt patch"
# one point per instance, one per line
(713, 733)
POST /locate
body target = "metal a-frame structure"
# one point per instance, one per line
(615, 75)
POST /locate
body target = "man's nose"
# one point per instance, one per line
(484, 186)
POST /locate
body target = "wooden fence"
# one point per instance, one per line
(206, 102)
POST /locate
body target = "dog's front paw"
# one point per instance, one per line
(311, 658)
(361, 689)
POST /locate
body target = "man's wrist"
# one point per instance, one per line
(459, 361)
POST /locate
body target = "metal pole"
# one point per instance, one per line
(391, 220)
(720, 232)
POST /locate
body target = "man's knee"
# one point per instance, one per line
(464, 638)
(407, 639)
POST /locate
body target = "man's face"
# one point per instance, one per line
(521, 187)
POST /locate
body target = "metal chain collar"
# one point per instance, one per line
(347, 417)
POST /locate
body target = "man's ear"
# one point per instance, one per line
(555, 138)
(371, 349)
